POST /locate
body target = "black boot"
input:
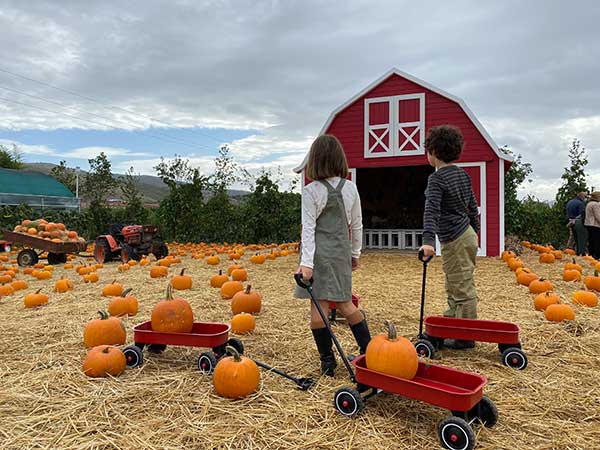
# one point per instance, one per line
(324, 345)
(362, 335)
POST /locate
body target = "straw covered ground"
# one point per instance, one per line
(47, 402)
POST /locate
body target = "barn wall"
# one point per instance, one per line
(493, 208)
(348, 126)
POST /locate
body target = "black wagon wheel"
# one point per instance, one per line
(514, 357)
(503, 347)
(133, 356)
(27, 257)
(485, 412)
(237, 344)
(456, 434)
(207, 363)
(57, 258)
(424, 348)
(157, 348)
(102, 251)
(348, 401)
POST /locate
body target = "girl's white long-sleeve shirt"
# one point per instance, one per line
(314, 199)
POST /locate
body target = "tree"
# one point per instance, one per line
(10, 159)
(518, 173)
(574, 179)
(181, 210)
(65, 175)
(99, 181)
(227, 171)
(131, 196)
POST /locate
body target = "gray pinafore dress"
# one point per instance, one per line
(332, 271)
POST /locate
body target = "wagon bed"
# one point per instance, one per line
(28, 256)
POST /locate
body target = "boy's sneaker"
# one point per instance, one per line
(458, 344)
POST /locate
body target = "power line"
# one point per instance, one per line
(73, 117)
(130, 124)
(91, 99)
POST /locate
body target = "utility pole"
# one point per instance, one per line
(77, 188)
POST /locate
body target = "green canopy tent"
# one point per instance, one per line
(35, 189)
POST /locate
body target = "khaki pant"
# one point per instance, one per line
(458, 259)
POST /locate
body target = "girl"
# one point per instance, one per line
(330, 208)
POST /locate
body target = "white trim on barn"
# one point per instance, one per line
(424, 84)
(352, 173)
(501, 225)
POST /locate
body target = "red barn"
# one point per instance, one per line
(382, 129)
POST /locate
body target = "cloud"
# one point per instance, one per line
(527, 69)
(92, 152)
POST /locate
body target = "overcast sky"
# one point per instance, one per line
(264, 75)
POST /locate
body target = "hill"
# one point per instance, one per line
(152, 188)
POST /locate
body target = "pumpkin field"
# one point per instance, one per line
(47, 401)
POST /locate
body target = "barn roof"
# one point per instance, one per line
(395, 71)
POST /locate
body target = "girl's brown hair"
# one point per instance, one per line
(326, 159)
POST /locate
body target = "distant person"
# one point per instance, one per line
(451, 213)
(592, 224)
(575, 210)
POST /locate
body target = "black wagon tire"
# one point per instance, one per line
(57, 258)
(503, 347)
(424, 348)
(485, 412)
(456, 434)
(348, 402)
(27, 257)
(237, 344)
(207, 363)
(133, 356)
(157, 348)
(514, 357)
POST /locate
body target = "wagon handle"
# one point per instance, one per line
(300, 281)
(422, 257)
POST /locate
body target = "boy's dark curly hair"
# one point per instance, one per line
(445, 142)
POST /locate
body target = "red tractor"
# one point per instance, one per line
(129, 242)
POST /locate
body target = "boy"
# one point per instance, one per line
(451, 213)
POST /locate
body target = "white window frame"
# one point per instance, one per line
(394, 127)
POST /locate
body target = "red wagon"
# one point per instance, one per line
(455, 390)
(333, 308)
(204, 334)
(438, 328)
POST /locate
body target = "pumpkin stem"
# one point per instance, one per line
(220, 272)
(126, 291)
(103, 315)
(595, 273)
(392, 333)
(182, 270)
(169, 292)
(38, 291)
(106, 349)
(248, 289)
(236, 355)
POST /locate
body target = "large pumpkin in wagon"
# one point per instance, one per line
(172, 315)
(392, 354)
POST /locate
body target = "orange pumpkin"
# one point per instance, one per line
(63, 285)
(547, 258)
(35, 299)
(236, 376)
(526, 277)
(559, 312)
(243, 323)
(542, 301)
(257, 259)
(592, 282)
(182, 282)
(507, 254)
(239, 275)
(104, 331)
(247, 301)
(172, 315)
(123, 267)
(104, 360)
(19, 285)
(113, 289)
(540, 286)
(569, 251)
(43, 275)
(230, 288)
(91, 278)
(515, 263)
(124, 305)
(392, 355)
(571, 275)
(218, 280)
(159, 272)
(573, 266)
(586, 298)
(233, 267)
(558, 255)
(6, 289)
(213, 260)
